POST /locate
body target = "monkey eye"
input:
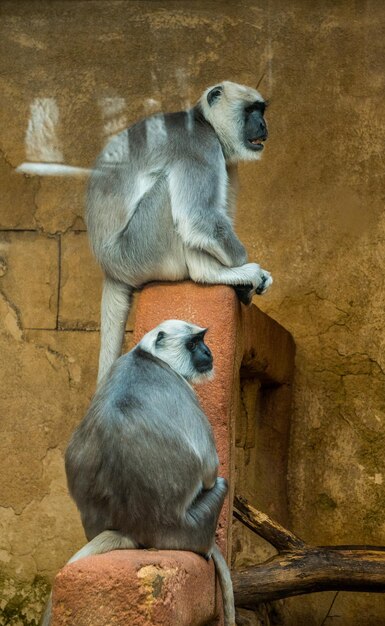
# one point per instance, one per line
(191, 345)
(256, 106)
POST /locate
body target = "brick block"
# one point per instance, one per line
(136, 588)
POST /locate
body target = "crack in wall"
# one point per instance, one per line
(59, 281)
(6, 160)
(329, 610)
(12, 320)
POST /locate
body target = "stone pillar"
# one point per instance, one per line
(178, 588)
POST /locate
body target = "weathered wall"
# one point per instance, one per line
(311, 212)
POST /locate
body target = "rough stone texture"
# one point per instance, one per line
(29, 273)
(141, 588)
(81, 283)
(17, 198)
(311, 212)
(60, 203)
(46, 381)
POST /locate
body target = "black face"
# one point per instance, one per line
(255, 129)
(200, 353)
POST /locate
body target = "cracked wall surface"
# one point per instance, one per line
(312, 212)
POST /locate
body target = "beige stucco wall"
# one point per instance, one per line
(311, 212)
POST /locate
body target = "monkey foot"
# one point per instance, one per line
(244, 293)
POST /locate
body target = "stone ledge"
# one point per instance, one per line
(136, 587)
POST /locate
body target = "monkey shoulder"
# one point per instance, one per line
(143, 416)
(151, 397)
(141, 396)
(142, 378)
(179, 134)
(161, 140)
(199, 137)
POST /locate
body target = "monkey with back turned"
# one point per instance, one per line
(142, 466)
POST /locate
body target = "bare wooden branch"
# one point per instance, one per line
(265, 527)
(307, 571)
(299, 568)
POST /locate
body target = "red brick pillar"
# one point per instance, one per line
(138, 588)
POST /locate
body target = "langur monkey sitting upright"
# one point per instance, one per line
(161, 201)
(142, 466)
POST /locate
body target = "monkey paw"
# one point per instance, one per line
(246, 292)
(266, 281)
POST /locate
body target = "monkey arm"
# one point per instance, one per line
(198, 203)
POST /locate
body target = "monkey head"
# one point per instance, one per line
(236, 113)
(181, 345)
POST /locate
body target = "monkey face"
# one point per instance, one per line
(255, 129)
(201, 356)
(236, 113)
(181, 345)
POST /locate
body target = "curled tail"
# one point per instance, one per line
(226, 586)
(116, 300)
(107, 541)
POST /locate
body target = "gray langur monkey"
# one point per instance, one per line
(142, 466)
(161, 201)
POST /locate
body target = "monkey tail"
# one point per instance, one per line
(226, 586)
(116, 300)
(106, 541)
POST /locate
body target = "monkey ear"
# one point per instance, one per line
(161, 335)
(214, 94)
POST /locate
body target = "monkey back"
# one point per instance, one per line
(143, 451)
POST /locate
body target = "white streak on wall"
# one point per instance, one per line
(42, 143)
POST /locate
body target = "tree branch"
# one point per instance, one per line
(266, 528)
(299, 568)
(308, 571)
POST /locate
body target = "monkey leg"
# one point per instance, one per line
(250, 277)
(116, 300)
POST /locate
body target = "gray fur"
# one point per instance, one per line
(161, 202)
(143, 460)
